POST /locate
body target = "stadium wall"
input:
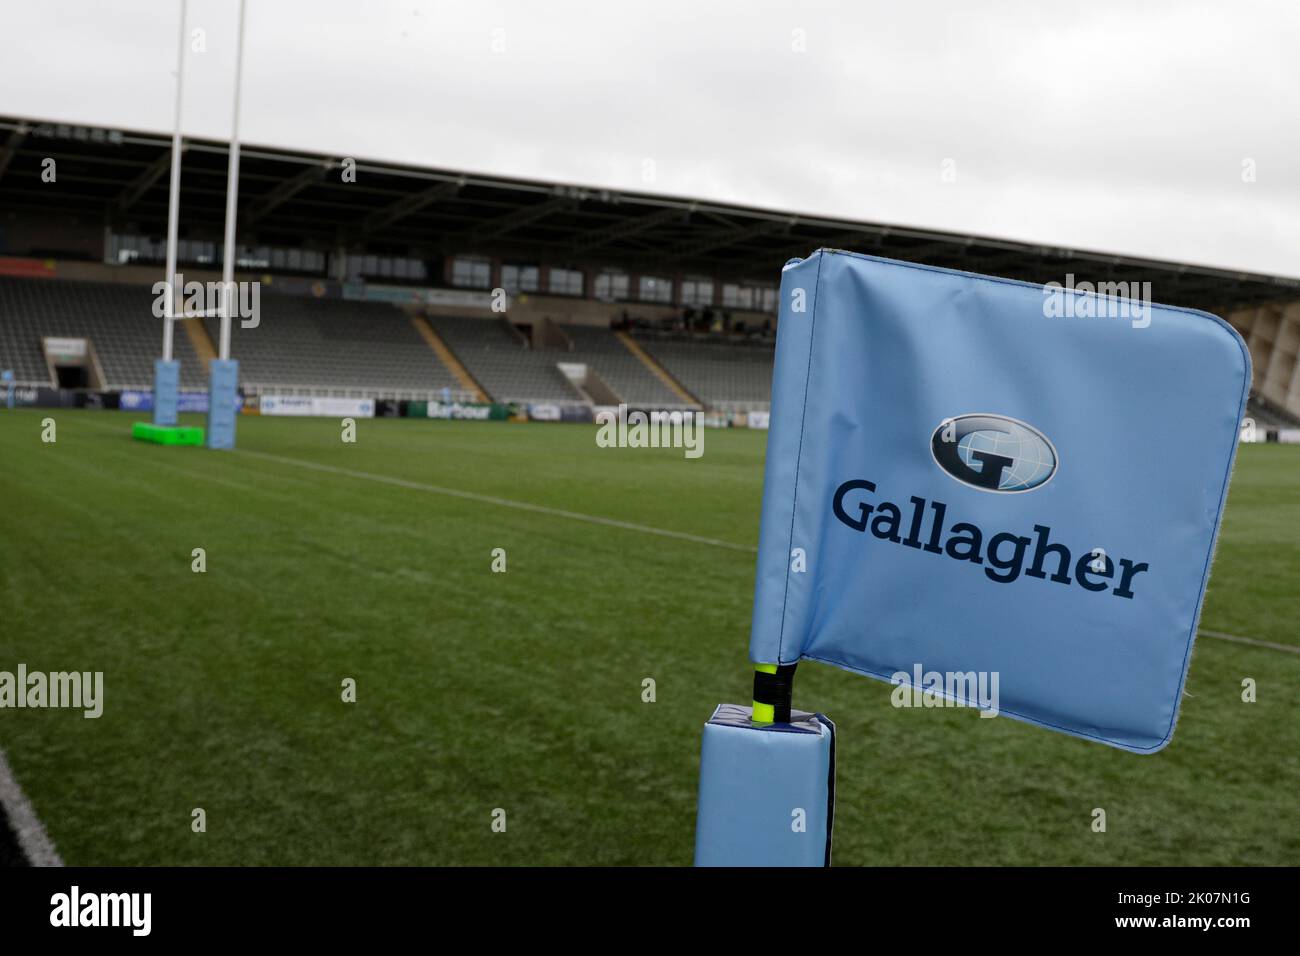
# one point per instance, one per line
(26, 233)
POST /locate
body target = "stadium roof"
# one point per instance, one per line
(290, 198)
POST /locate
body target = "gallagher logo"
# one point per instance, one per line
(993, 453)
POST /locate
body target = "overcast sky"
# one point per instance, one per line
(1121, 127)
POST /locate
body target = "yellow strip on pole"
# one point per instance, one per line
(764, 713)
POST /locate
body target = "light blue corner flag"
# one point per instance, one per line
(982, 479)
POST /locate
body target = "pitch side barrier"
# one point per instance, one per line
(928, 425)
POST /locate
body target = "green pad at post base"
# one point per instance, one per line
(167, 434)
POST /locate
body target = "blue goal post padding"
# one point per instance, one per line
(767, 792)
(166, 389)
(968, 475)
(223, 403)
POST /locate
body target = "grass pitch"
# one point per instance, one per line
(523, 690)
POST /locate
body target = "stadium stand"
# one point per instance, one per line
(1265, 414)
(331, 344)
(566, 239)
(622, 371)
(501, 361)
(117, 319)
(720, 374)
(1272, 333)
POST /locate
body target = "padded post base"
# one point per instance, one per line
(767, 792)
(166, 388)
(223, 394)
(162, 435)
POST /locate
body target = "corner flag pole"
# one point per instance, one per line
(232, 196)
(773, 693)
(174, 198)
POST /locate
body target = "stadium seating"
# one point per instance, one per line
(501, 361)
(117, 319)
(717, 373)
(622, 371)
(1272, 333)
(334, 344)
(1266, 414)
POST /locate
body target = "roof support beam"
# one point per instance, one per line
(626, 230)
(727, 237)
(859, 239)
(519, 218)
(408, 206)
(269, 202)
(144, 182)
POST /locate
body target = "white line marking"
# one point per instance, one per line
(626, 525)
(501, 502)
(1253, 642)
(32, 838)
